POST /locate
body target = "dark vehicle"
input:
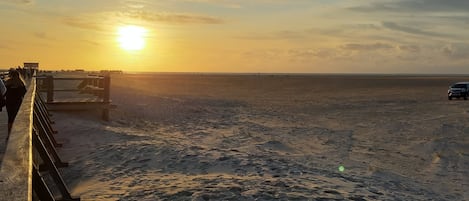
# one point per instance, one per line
(459, 90)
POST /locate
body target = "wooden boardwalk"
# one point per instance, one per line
(4, 129)
(76, 93)
(67, 99)
(31, 148)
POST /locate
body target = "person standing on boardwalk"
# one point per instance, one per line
(16, 89)
(3, 91)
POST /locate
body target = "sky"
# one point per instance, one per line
(253, 36)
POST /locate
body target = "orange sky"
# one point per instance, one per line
(302, 36)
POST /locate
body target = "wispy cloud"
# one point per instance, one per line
(278, 35)
(90, 22)
(367, 47)
(241, 3)
(409, 48)
(456, 51)
(410, 30)
(264, 54)
(340, 31)
(305, 54)
(91, 42)
(19, 2)
(41, 35)
(415, 6)
(135, 4)
(173, 18)
(224, 3)
(83, 23)
(4, 46)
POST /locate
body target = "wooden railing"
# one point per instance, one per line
(96, 85)
(17, 164)
(29, 153)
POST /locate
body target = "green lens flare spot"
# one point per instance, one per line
(341, 168)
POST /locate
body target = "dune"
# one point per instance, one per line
(270, 137)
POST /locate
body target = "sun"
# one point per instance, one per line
(131, 37)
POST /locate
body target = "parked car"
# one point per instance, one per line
(458, 90)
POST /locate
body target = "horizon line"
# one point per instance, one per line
(272, 73)
(259, 73)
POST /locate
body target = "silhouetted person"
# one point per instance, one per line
(14, 97)
(3, 91)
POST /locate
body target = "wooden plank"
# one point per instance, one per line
(69, 106)
(16, 169)
(82, 78)
(78, 100)
(71, 90)
(70, 78)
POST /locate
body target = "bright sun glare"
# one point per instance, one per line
(131, 37)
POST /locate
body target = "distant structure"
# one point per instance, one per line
(30, 68)
(112, 71)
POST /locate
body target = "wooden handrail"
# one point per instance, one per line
(16, 169)
(72, 78)
(98, 86)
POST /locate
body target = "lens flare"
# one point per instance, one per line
(341, 168)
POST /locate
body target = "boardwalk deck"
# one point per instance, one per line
(30, 149)
(16, 168)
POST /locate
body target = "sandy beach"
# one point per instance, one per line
(270, 137)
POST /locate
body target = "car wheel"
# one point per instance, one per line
(465, 97)
(449, 97)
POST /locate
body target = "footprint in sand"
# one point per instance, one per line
(275, 145)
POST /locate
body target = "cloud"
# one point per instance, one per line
(135, 4)
(265, 54)
(309, 53)
(300, 55)
(410, 30)
(223, 3)
(83, 23)
(415, 6)
(366, 47)
(172, 18)
(91, 42)
(240, 3)
(90, 22)
(456, 51)
(4, 46)
(340, 31)
(363, 26)
(19, 2)
(278, 35)
(409, 48)
(101, 21)
(41, 35)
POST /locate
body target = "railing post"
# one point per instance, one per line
(40, 187)
(106, 96)
(100, 82)
(54, 173)
(50, 89)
